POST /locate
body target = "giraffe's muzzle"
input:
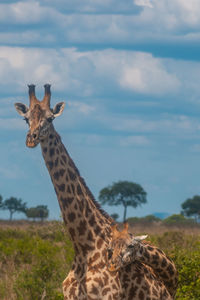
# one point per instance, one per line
(112, 268)
(32, 139)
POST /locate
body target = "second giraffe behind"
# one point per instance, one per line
(126, 249)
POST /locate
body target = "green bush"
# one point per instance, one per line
(143, 220)
(184, 250)
(179, 220)
(44, 272)
(34, 262)
(188, 264)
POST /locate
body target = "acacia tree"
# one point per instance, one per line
(32, 213)
(115, 216)
(124, 193)
(191, 207)
(13, 205)
(38, 212)
(43, 212)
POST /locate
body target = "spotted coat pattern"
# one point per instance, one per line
(125, 249)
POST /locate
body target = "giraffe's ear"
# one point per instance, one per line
(21, 108)
(140, 238)
(58, 109)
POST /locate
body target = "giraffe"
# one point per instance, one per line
(125, 249)
(88, 226)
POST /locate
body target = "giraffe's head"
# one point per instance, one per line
(122, 249)
(38, 115)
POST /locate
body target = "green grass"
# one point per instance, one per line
(35, 259)
(34, 262)
(184, 250)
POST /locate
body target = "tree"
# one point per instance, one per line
(191, 207)
(115, 216)
(14, 205)
(38, 212)
(32, 213)
(124, 193)
(43, 212)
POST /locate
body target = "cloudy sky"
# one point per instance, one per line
(129, 72)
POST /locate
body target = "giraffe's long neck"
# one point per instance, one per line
(87, 224)
(160, 263)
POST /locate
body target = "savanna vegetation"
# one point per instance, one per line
(34, 260)
(35, 257)
(15, 205)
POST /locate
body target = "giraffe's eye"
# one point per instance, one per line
(26, 119)
(110, 253)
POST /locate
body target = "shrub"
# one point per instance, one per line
(188, 263)
(34, 262)
(143, 220)
(184, 250)
(179, 220)
(44, 272)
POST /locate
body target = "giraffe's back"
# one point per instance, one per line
(140, 283)
(134, 282)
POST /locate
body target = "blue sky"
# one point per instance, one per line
(129, 72)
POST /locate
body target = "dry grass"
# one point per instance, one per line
(158, 228)
(154, 227)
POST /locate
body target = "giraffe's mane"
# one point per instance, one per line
(97, 205)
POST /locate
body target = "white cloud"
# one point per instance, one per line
(27, 37)
(136, 71)
(27, 12)
(146, 74)
(170, 125)
(85, 73)
(99, 22)
(94, 74)
(81, 107)
(170, 15)
(21, 11)
(93, 6)
(147, 3)
(187, 12)
(155, 21)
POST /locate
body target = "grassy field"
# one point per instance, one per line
(35, 258)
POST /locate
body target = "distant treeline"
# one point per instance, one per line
(14, 205)
(173, 220)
